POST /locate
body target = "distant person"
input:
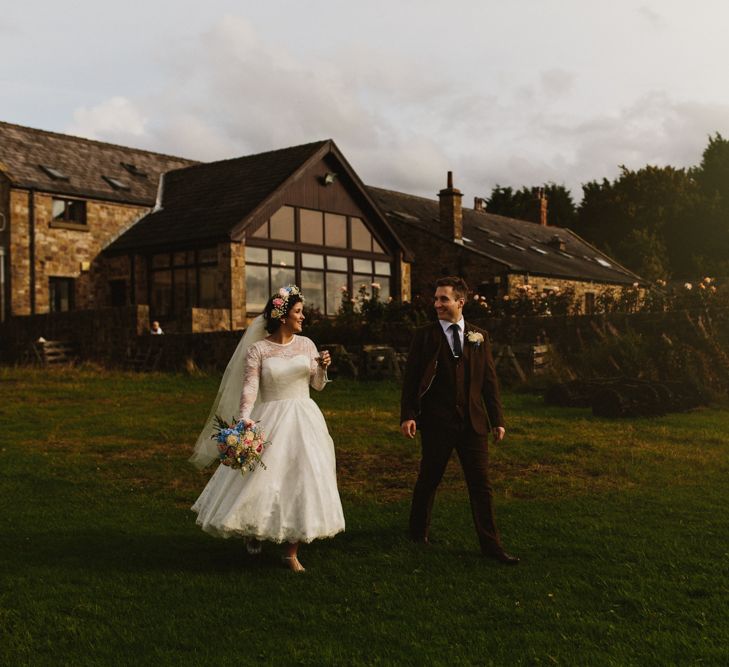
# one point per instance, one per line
(156, 329)
(451, 395)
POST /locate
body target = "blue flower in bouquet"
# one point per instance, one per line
(239, 447)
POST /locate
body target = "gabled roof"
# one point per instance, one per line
(216, 201)
(64, 164)
(519, 245)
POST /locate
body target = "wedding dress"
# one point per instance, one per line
(295, 498)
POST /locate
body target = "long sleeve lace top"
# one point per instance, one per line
(290, 380)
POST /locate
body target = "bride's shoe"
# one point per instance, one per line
(293, 563)
(253, 546)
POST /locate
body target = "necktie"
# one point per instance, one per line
(456, 333)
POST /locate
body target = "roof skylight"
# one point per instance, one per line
(514, 245)
(603, 262)
(498, 243)
(403, 215)
(133, 169)
(55, 174)
(116, 183)
(539, 250)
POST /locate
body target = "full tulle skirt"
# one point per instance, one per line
(295, 498)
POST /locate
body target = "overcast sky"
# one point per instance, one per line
(515, 93)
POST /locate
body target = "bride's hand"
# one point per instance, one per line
(248, 423)
(324, 359)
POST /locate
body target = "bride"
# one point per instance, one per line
(295, 498)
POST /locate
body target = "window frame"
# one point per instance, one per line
(67, 222)
(192, 261)
(256, 239)
(70, 283)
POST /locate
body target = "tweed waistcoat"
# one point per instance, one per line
(447, 399)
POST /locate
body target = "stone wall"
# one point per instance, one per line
(4, 244)
(540, 284)
(64, 250)
(198, 320)
(237, 285)
(19, 253)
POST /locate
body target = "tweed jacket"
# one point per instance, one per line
(484, 403)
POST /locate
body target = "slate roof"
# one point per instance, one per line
(521, 246)
(84, 163)
(207, 201)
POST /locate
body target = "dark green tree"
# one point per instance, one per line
(646, 219)
(524, 204)
(712, 178)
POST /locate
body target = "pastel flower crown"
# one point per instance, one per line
(281, 302)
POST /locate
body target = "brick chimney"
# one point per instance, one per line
(542, 207)
(479, 204)
(451, 214)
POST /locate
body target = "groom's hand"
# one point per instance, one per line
(408, 428)
(498, 432)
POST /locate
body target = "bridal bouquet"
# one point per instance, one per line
(240, 447)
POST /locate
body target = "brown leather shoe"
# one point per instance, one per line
(501, 556)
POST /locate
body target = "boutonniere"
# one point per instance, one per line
(474, 337)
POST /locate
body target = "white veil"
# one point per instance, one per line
(227, 402)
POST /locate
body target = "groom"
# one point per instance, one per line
(450, 393)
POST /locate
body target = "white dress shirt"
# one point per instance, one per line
(449, 334)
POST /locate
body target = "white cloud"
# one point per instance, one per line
(402, 124)
(117, 119)
(651, 16)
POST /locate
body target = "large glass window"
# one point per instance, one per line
(311, 228)
(161, 294)
(335, 227)
(384, 284)
(282, 224)
(283, 258)
(361, 237)
(312, 285)
(336, 284)
(336, 263)
(311, 261)
(350, 259)
(362, 266)
(185, 288)
(183, 279)
(257, 291)
(256, 255)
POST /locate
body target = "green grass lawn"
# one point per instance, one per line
(622, 527)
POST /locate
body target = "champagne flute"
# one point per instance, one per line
(320, 361)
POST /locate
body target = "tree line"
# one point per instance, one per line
(660, 222)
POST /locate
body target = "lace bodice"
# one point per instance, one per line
(275, 372)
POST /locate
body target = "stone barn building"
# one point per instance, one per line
(62, 199)
(86, 225)
(493, 253)
(226, 234)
